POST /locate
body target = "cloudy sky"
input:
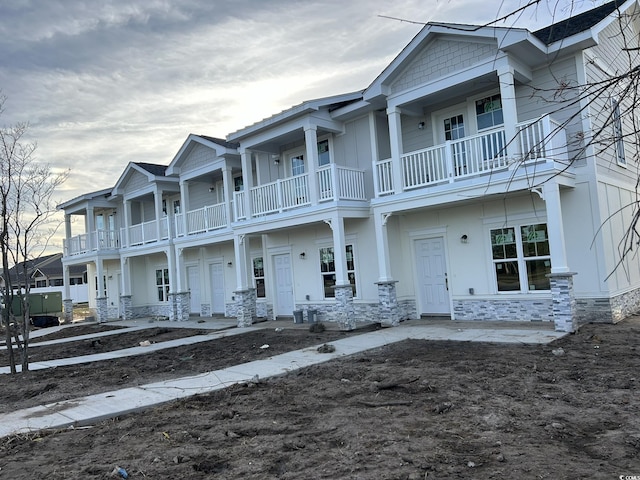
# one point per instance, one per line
(106, 82)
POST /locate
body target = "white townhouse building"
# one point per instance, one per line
(478, 177)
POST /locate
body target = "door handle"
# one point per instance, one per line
(446, 281)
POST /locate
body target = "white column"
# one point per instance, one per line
(125, 268)
(157, 197)
(100, 275)
(180, 271)
(395, 140)
(227, 185)
(382, 246)
(91, 220)
(311, 143)
(65, 281)
(373, 135)
(551, 193)
(247, 180)
(171, 265)
(509, 111)
(339, 251)
(67, 226)
(127, 221)
(243, 260)
(184, 204)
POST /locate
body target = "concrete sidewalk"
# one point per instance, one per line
(94, 408)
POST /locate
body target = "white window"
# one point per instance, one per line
(162, 284)
(297, 165)
(328, 270)
(618, 135)
(489, 112)
(258, 276)
(521, 261)
(324, 158)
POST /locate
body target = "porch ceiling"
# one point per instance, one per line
(441, 98)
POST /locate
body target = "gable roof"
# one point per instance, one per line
(576, 24)
(220, 141)
(152, 168)
(46, 266)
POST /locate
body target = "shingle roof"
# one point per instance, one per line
(220, 141)
(48, 265)
(153, 168)
(576, 24)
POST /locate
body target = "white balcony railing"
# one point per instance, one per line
(91, 242)
(541, 139)
(147, 232)
(205, 219)
(333, 183)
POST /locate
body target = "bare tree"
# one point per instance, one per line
(28, 222)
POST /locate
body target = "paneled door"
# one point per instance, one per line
(193, 280)
(284, 284)
(432, 285)
(216, 274)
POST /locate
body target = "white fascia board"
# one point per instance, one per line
(83, 199)
(293, 112)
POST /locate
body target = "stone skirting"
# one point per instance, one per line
(180, 306)
(205, 310)
(344, 311)
(151, 311)
(608, 310)
(520, 310)
(564, 302)
(102, 309)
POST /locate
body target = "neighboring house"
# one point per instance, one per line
(458, 184)
(46, 275)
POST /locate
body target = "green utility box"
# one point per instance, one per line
(40, 303)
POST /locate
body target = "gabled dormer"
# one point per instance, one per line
(209, 171)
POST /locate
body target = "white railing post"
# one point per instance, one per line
(448, 155)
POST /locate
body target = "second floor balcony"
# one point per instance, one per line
(332, 183)
(486, 153)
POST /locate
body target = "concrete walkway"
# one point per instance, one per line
(95, 408)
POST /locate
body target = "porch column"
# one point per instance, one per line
(101, 298)
(227, 186)
(157, 200)
(395, 140)
(67, 302)
(184, 202)
(343, 289)
(67, 232)
(127, 222)
(373, 135)
(125, 297)
(509, 111)
(311, 143)
(245, 294)
(247, 180)
(561, 279)
(551, 195)
(91, 227)
(382, 246)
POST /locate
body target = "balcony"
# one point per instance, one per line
(92, 242)
(484, 154)
(205, 219)
(332, 182)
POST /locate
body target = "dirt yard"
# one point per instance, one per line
(412, 410)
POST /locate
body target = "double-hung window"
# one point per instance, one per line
(618, 134)
(521, 258)
(328, 270)
(162, 284)
(258, 276)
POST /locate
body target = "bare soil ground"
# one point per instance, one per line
(412, 410)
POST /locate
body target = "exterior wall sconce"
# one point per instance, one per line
(230, 264)
(212, 189)
(303, 255)
(276, 159)
(421, 126)
(464, 239)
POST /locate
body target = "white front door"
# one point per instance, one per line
(284, 284)
(193, 280)
(432, 285)
(216, 274)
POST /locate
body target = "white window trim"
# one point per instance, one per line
(618, 131)
(520, 259)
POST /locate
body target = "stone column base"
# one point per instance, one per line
(388, 310)
(126, 307)
(344, 307)
(102, 309)
(67, 308)
(245, 307)
(180, 306)
(564, 302)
